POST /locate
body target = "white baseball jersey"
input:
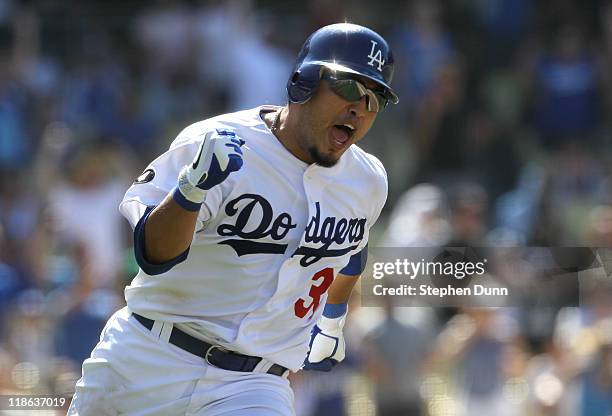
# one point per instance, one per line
(268, 242)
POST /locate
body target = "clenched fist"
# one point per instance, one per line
(219, 155)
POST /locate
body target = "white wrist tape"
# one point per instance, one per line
(189, 189)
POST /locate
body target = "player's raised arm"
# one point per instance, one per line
(168, 229)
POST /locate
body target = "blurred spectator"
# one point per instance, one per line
(84, 209)
(491, 157)
(423, 49)
(582, 348)
(321, 394)
(78, 331)
(93, 86)
(132, 126)
(15, 142)
(164, 30)
(439, 128)
(503, 24)
(575, 177)
(481, 347)
(459, 141)
(21, 240)
(468, 206)
(517, 210)
(597, 384)
(29, 335)
(599, 231)
(419, 219)
(394, 357)
(241, 41)
(566, 88)
(10, 284)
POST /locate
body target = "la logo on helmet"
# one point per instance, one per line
(376, 56)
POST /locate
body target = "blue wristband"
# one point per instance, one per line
(335, 310)
(180, 199)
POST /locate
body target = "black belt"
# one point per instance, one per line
(213, 354)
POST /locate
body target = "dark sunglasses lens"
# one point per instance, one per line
(350, 90)
(347, 89)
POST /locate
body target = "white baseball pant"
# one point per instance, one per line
(136, 372)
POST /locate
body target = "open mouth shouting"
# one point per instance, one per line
(341, 135)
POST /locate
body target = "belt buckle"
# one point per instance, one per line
(209, 352)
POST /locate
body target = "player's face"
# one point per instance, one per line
(329, 124)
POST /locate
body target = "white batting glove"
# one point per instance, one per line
(327, 346)
(219, 155)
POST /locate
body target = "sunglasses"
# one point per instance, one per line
(352, 90)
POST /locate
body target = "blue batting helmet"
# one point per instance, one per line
(342, 47)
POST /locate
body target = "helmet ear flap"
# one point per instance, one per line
(303, 83)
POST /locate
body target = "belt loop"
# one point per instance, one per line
(157, 328)
(263, 366)
(166, 331)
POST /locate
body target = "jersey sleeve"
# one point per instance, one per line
(378, 193)
(160, 178)
(357, 263)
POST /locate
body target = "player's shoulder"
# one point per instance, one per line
(240, 122)
(365, 173)
(364, 163)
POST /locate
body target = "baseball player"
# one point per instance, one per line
(250, 232)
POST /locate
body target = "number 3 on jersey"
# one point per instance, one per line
(326, 277)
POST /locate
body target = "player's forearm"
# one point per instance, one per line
(327, 346)
(340, 290)
(168, 231)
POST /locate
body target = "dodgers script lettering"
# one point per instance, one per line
(330, 230)
(276, 228)
(255, 209)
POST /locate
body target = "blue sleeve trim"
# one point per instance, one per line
(180, 199)
(335, 310)
(139, 250)
(357, 263)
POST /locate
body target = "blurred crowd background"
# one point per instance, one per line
(503, 135)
